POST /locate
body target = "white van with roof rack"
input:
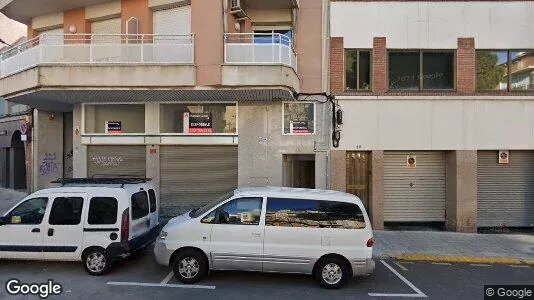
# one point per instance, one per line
(271, 229)
(95, 220)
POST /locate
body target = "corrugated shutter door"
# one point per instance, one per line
(116, 161)
(192, 176)
(505, 191)
(111, 26)
(173, 21)
(414, 194)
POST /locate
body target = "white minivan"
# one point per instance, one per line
(271, 229)
(97, 221)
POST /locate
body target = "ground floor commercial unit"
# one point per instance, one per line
(464, 164)
(15, 151)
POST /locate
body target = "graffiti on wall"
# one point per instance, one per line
(106, 161)
(48, 164)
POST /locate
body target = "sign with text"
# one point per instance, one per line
(300, 127)
(504, 157)
(113, 127)
(411, 161)
(200, 123)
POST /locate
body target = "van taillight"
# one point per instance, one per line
(370, 242)
(125, 226)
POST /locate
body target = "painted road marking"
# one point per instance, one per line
(400, 266)
(418, 293)
(166, 279)
(480, 265)
(519, 266)
(144, 284)
(441, 264)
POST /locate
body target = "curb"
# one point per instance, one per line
(465, 259)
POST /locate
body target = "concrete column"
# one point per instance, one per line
(152, 118)
(320, 169)
(338, 170)
(153, 166)
(461, 184)
(79, 151)
(376, 203)
(48, 147)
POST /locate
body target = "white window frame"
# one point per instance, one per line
(314, 117)
(107, 134)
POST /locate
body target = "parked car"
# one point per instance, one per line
(271, 229)
(97, 221)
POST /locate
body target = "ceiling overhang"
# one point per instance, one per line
(25, 10)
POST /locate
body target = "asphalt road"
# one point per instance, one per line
(141, 278)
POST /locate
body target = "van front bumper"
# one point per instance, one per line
(161, 253)
(363, 267)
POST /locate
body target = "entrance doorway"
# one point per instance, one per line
(16, 168)
(358, 175)
(299, 171)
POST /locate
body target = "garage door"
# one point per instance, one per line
(415, 191)
(192, 176)
(121, 161)
(505, 191)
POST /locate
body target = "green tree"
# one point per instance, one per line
(489, 72)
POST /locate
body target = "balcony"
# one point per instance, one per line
(254, 59)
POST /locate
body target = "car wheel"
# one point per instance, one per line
(190, 266)
(96, 262)
(332, 273)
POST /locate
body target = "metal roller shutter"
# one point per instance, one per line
(116, 161)
(110, 27)
(173, 21)
(505, 191)
(192, 176)
(414, 194)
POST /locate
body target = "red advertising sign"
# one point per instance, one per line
(200, 123)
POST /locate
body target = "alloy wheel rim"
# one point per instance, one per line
(96, 262)
(188, 267)
(332, 273)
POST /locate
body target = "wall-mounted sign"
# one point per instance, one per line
(23, 138)
(23, 128)
(504, 156)
(199, 123)
(113, 127)
(300, 127)
(411, 161)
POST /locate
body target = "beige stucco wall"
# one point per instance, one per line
(48, 148)
(270, 16)
(79, 163)
(131, 116)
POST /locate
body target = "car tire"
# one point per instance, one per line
(96, 261)
(332, 273)
(190, 266)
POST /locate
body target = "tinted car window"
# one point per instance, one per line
(292, 212)
(242, 211)
(340, 215)
(30, 211)
(153, 202)
(102, 211)
(139, 205)
(66, 211)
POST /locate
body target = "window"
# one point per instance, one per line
(28, 212)
(66, 211)
(114, 118)
(292, 213)
(521, 70)
(153, 202)
(421, 70)
(242, 211)
(340, 215)
(284, 36)
(102, 211)
(504, 70)
(357, 69)
(299, 118)
(197, 212)
(198, 118)
(139, 205)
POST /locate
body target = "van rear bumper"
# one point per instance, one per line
(363, 267)
(119, 249)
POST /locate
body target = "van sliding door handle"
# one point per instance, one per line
(255, 234)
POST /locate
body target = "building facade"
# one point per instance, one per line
(438, 105)
(202, 96)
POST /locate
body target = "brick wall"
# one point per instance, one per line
(380, 66)
(337, 65)
(465, 69)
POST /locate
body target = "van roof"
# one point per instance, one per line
(81, 188)
(285, 192)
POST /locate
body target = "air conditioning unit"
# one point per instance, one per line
(235, 4)
(237, 8)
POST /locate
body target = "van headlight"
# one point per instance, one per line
(162, 235)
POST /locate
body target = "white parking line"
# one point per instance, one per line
(480, 265)
(166, 279)
(400, 266)
(418, 293)
(441, 264)
(183, 286)
(519, 266)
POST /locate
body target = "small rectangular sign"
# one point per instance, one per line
(113, 127)
(504, 157)
(200, 123)
(300, 127)
(23, 138)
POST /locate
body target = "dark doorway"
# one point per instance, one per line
(299, 171)
(358, 175)
(17, 163)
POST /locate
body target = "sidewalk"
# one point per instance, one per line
(455, 247)
(8, 198)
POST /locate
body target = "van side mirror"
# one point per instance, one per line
(3, 221)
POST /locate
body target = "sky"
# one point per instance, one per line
(10, 30)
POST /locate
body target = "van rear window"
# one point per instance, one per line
(139, 205)
(153, 203)
(102, 211)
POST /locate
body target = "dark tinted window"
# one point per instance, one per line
(292, 212)
(341, 215)
(242, 211)
(30, 211)
(438, 70)
(102, 210)
(153, 202)
(404, 70)
(66, 211)
(139, 205)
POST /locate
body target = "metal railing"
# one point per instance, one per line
(259, 48)
(98, 49)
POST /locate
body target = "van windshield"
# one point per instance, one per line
(195, 213)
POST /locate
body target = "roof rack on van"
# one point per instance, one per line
(111, 180)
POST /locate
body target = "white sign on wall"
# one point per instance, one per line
(504, 156)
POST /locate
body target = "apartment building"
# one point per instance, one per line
(438, 110)
(202, 96)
